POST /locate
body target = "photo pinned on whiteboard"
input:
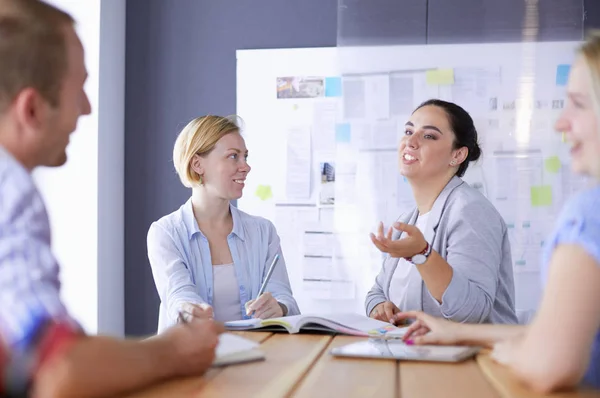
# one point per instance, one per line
(300, 87)
(327, 185)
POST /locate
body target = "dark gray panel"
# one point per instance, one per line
(561, 20)
(180, 63)
(382, 22)
(592, 14)
(480, 21)
(469, 21)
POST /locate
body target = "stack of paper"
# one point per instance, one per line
(235, 349)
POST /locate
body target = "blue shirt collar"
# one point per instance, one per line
(192, 226)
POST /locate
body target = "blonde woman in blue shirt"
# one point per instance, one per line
(561, 347)
(208, 258)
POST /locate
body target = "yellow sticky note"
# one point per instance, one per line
(541, 196)
(552, 164)
(439, 77)
(264, 192)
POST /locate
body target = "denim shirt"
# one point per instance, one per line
(579, 223)
(181, 263)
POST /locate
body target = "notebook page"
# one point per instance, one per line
(364, 324)
(230, 343)
(290, 322)
(243, 324)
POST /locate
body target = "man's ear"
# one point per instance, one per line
(29, 108)
(197, 164)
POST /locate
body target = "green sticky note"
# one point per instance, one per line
(264, 192)
(552, 164)
(541, 196)
(439, 77)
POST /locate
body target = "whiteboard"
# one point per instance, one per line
(322, 127)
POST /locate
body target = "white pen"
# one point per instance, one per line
(269, 273)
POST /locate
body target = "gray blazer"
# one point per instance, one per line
(469, 233)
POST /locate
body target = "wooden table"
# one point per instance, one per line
(301, 366)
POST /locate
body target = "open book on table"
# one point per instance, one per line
(351, 324)
(233, 349)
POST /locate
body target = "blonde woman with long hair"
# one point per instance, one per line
(561, 347)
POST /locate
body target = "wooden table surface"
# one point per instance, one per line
(301, 366)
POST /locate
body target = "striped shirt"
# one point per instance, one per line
(30, 306)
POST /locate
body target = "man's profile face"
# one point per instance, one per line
(61, 120)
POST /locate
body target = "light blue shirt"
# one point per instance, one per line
(579, 223)
(181, 262)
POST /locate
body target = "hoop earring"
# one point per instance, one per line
(200, 180)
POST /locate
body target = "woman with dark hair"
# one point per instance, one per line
(561, 347)
(450, 256)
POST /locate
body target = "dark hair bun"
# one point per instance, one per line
(474, 153)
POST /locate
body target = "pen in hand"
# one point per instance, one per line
(189, 311)
(263, 287)
(184, 316)
(269, 273)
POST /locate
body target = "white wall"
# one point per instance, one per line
(85, 196)
(364, 205)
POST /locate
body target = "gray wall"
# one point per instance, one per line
(380, 22)
(180, 63)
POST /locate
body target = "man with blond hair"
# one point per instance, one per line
(43, 351)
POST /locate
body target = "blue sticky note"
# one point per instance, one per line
(342, 132)
(562, 74)
(333, 86)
